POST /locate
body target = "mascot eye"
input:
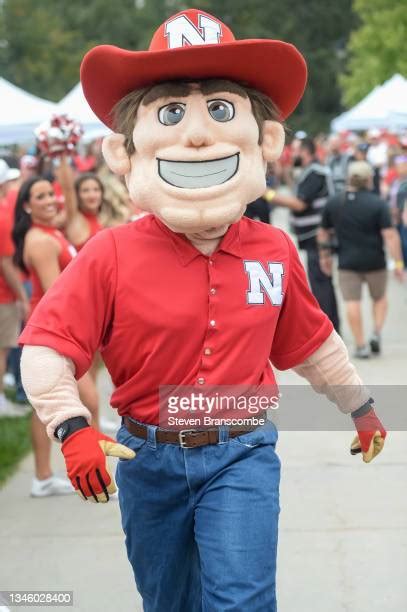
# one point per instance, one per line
(171, 114)
(220, 110)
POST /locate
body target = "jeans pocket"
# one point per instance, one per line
(127, 439)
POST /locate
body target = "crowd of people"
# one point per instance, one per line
(347, 196)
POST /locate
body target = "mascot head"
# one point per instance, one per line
(196, 118)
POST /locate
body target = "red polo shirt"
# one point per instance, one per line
(162, 313)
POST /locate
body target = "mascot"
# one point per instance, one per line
(190, 295)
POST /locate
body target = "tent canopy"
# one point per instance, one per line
(21, 113)
(384, 107)
(75, 105)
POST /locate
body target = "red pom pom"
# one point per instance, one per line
(58, 136)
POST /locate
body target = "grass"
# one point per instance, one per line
(15, 442)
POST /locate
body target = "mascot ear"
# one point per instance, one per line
(273, 140)
(115, 154)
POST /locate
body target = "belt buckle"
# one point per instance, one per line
(181, 437)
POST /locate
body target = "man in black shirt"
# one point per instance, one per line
(314, 185)
(361, 222)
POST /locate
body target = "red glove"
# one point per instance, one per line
(370, 438)
(85, 453)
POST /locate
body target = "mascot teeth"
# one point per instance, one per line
(198, 175)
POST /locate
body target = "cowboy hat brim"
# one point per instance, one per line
(273, 67)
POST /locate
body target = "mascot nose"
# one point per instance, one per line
(197, 135)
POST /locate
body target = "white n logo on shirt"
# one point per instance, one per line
(181, 32)
(262, 282)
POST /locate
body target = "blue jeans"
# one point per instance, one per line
(201, 524)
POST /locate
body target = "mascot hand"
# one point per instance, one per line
(85, 453)
(370, 438)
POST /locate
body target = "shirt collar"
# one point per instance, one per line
(186, 252)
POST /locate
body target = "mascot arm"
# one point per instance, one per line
(50, 385)
(329, 371)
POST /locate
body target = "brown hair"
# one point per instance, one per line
(125, 111)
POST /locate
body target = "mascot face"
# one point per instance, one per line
(198, 161)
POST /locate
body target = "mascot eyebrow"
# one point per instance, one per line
(124, 112)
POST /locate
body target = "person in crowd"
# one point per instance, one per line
(42, 251)
(360, 153)
(362, 226)
(376, 156)
(8, 176)
(313, 188)
(398, 200)
(337, 162)
(13, 299)
(83, 200)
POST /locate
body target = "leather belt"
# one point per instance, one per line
(186, 438)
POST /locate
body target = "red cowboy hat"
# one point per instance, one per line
(194, 45)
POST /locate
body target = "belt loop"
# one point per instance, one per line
(151, 436)
(223, 434)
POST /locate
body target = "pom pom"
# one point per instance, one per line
(58, 136)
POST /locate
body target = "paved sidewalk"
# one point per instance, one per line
(343, 535)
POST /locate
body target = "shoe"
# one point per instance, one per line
(375, 344)
(51, 486)
(8, 409)
(362, 352)
(9, 380)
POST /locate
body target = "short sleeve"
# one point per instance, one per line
(310, 187)
(302, 326)
(384, 217)
(75, 315)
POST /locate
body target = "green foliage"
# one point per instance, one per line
(45, 40)
(41, 55)
(15, 443)
(378, 48)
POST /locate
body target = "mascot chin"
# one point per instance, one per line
(190, 297)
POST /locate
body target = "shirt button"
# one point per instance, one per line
(208, 351)
(212, 323)
(211, 262)
(201, 381)
(212, 291)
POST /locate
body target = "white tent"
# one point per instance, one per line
(384, 107)
(75, 105)
(20, 113)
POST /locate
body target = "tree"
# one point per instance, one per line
(38, 52)
(377, 49)
(42, 42)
